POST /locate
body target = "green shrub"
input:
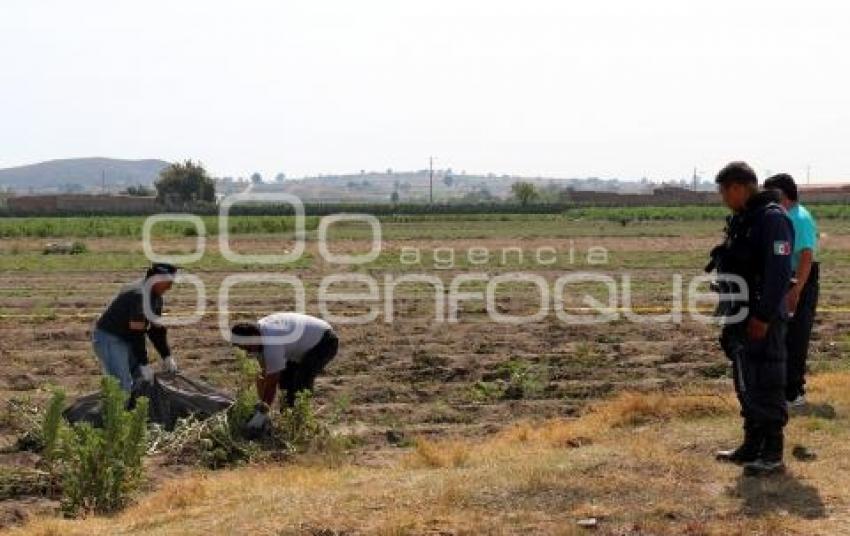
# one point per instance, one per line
(101, 467)
(299, 430)
(483, 392)
(298, 427)
(341, 406)
(522, 380)
(524, 383)
(515, 380)
(50, 426)
(246, 394)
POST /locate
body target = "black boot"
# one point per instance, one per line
(749, 450)
(770, 461)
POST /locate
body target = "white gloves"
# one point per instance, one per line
(168, 365)
(147, 373)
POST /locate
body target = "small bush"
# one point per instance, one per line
(341, 406)
(524, 381)
(515, 380)
(484, 392)
(99, 468)
(50, 426)
(246, 394)
(298, 428)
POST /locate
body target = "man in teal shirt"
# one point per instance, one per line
(802, 299)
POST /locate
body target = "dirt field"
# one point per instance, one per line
(414, 377)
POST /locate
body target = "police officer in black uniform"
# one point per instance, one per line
(758, 246)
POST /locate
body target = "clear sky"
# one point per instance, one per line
(559, 88)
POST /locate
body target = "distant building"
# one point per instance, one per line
(825, 193)
(662, 196)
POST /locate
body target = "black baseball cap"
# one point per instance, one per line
(161, 268)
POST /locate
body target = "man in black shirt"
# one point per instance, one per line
(119, 335)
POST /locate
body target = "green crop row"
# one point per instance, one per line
(131, 226)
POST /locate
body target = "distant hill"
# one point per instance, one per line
(81, 175)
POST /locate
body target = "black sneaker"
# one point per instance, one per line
(762, 467)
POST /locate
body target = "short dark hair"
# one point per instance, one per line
(784, 183)
(245, 329)
(737, 173)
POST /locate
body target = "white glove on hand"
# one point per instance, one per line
(168, 365)
(147, 373)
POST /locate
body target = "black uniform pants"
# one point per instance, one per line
(799, 335)
(759, 369)
(300, 376)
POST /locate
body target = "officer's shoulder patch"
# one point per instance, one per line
(781, 247)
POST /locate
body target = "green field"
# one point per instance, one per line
(583, 221)
(131, 226)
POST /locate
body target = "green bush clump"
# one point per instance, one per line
(98, 468)
(246, 394)
(515, 380)
(298, 428)
(50, 427)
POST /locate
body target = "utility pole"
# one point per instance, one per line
(103, 179)
(808, 174)
(431, 180)
(695, 178)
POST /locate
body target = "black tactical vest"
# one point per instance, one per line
(738, 254)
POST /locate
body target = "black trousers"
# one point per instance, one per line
(297, 377)
(759, 369)
(800, 333)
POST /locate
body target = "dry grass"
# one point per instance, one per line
(627, 409)
(639, 463)
(432, 454)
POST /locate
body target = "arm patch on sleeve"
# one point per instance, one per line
(781, 247)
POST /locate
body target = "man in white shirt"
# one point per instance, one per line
(292, 349)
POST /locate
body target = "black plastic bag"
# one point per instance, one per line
(171, 396)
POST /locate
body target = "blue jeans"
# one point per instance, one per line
(115, 356)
